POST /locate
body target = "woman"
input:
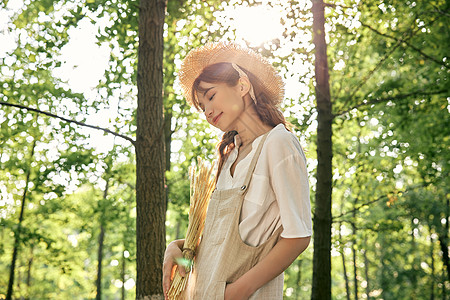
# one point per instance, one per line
(259, 217)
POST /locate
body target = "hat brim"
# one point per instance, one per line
(212, 53)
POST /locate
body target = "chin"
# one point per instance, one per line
(222, 127)
(216, 126)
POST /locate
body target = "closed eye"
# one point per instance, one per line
(210, 98)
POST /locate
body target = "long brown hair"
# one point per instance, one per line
(224, 73)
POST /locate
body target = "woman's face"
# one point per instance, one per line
(222, 104)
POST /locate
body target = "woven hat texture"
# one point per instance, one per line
(211, 53)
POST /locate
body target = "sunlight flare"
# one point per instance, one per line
(256, 24)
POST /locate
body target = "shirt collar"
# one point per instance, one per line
(237, 138)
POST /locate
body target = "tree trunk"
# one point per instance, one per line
(321, 286)
(366, 270)
(355, 268)
(433, 279)
(150, 158)
(19, 228)
(416, 259)
(445, 259)
(355, 202)
(122, 275)
(384, 281)
(299, 278)
(30, 263)
(168, 137)
(447, 226)
(101, 238)
(167, 144)
(19, 281)
(347, 288)
(444, 287)
(178, 231)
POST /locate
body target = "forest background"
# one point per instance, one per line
(87, 212)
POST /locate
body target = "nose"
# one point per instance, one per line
(209, 112)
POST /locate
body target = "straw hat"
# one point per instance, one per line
(211, 53)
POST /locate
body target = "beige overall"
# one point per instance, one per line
(222, 257)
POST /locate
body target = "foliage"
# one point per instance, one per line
(389, 84)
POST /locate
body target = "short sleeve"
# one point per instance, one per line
(289, 180)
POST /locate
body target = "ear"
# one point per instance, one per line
(244, 86)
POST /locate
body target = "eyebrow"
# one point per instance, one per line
(207, 90)
(204, 94)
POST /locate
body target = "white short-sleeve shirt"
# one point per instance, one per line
(278, 193)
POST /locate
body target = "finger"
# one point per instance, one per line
(172, 272)
(182, 271)
(182, 263)
(166, 282)
(167, 272)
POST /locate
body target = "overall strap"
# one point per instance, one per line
(252, 166)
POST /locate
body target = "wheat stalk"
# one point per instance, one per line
(201, 187)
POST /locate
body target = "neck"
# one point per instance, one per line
(250, 127)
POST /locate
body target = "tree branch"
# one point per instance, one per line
(442, 12)
(421, 186)
(397, 97)
(67, 120)
(371, 72)
(334, 5)
(407, 43)
(363, 81)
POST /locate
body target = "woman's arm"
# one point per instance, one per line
(278, 260)
(173, 252)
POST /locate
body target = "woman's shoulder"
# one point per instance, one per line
(280, 137)
(281, 145)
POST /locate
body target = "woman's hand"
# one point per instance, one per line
(279, 259)
(235, 292)
(171, 256)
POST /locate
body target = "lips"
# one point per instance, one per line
(216, 118)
